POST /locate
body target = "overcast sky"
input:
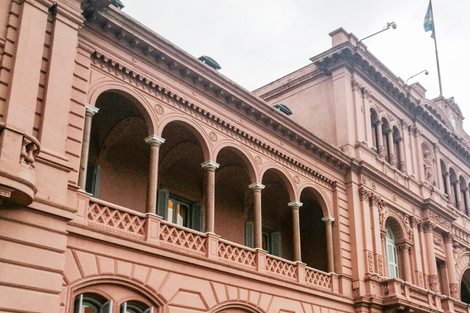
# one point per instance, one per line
(258, 41)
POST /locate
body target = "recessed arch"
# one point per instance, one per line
(196, 130)
(235, 307)
(233, 198)
(101, 88)
(313, 230)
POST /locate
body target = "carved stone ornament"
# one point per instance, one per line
(433, 283)
(380, 265)
(454, 290)
(440, 220)
(370, 262)
(374, 200)
(429, 171)
(29, 151)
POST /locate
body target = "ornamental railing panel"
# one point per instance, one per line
(318, 278)
(236, 253)
(281, 267)
(116, 219)
(182, 238)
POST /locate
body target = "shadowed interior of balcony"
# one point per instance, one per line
(118, 175)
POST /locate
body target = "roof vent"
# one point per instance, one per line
(210, 61)
(283, 109)
(118, 4)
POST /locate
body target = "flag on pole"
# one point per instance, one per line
(429, 21)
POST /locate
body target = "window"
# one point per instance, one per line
(93, 303)
(271, 241)
(179, 211)
(391, 253)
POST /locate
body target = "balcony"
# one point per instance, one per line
(152, 230)
(399, 294)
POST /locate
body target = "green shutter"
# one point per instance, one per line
(162, 203)
(276, 244)
(249, 234)
(107, 307)
(197, 217)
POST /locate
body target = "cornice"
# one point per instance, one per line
(157, 50)
(169, 93)
(359, 61)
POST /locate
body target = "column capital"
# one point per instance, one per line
(91, 110)
(256, 186)
(154, 140)
(328, 219)
(295, 204)
(210, 164)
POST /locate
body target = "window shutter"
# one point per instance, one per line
(124, 307)
(78, 305)
(197, 217)
(276, 244)
(162, 203)
(249, 234)
(107, 307)
(149, 310)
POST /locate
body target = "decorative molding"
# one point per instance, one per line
(167, 95)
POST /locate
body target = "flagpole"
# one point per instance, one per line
(437, 54)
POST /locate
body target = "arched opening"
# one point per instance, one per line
(118, 157)
(396, 157)
(454, 188)
(233, 205)
(374, 120)
(112, 298)
(465, 287)
(388, 144)
(393, 237)
(277, 216)
(312, 231)
(181, 176)
(462, 186)
(444, 177)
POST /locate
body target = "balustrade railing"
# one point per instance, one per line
(318, 278)
(236, 253)
(116, 219)
(281, 267)
(155, 231)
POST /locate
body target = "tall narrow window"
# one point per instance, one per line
(391, 253)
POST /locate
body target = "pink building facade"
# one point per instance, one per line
(136, 178)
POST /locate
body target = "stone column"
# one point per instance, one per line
(458, 193)
(402, 155)
(405, 250)
(467, 198)
(453, 283)
(295, 205)
(447, 186)
(90, 111)
(328, 220)
(391, 148)
(380, 138)
(154, 141)
(433, 278)
(417, 252)
(258, 222)
(210, 168)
